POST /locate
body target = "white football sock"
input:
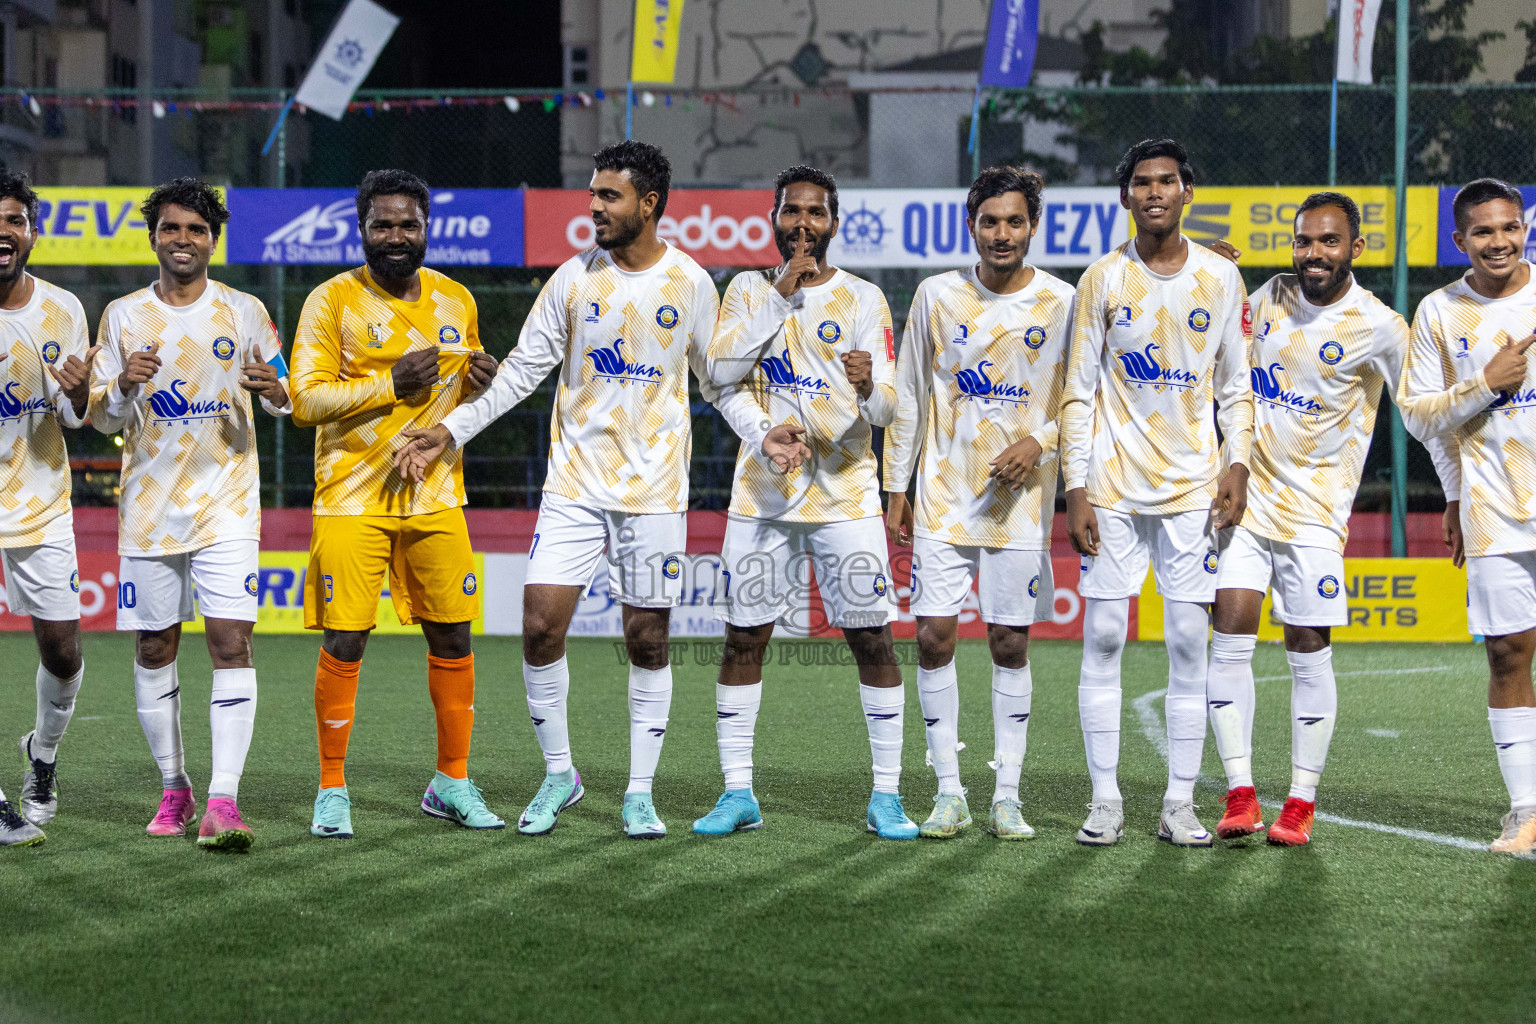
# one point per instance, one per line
(938, 692)
(735, 721)
(1098, 691)
(883, 713)
(158, 695)
(1012, 689)
(1514, 738)
(547, 687)
(55, 705)
(650, 701)
(1230, 697)
(1314, 707)
(231, 720)
(1184, 628)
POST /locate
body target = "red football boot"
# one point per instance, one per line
(1244, 816)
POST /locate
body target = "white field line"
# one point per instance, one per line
(1153, 729)
(1366, 672)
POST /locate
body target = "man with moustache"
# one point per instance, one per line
(1158, 332)
(978, 387)
(380, 349)
(810, 346)
(1323, 348)
(1467, 379)
(627, 318)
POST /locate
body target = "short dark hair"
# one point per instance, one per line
(391, 182)
(997, 181)
(14, 185)
(1317, 200)
(811, 176)
(648, 167)
(1483, 190)
(190, 194)
(1150, 149)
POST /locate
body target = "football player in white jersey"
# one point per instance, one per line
(1468, 379)
(627, 318)
(978, 385)
(179, 360)
(1158, 332)
(810, 345)
(45, 363)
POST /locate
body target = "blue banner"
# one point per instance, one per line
(478, 227)
(1012, 33)
(1450, 256)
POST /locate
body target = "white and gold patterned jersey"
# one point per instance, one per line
(1150, 352)
(189, 474)
(785, 357)
(978, 372)
(1490, 438)
(620, 437)
(1318, 373)
(34, 477)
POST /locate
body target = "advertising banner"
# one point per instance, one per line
(653, 58)
(467, 227)
(96, 226)
(1450, 256)
(1259, 221)
(717, 227)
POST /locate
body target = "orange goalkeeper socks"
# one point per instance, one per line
(335, 706)
(451, 682)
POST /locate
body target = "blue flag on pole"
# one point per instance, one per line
(1012, 33)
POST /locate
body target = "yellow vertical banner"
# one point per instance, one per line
(657, 24)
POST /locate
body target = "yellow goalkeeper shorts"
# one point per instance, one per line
(428, 558)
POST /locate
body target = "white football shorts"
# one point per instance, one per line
(155, 592)
(644, 553)
(1307, 582)
(1013, 587)
(1179, 548)
(43, 580)
(766, 569)
(1501, 594)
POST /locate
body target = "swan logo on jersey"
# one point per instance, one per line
(224, 348)
(250, 584)
(666, 317)
(880, 584)
(448, 334)
(672, 567)
(781, 374)
(976, 383)
(74, 581)
(1034, 337)
(1210, 562)
(1331, 353)
(470, 584)
(1143, 368)
(14, 407)
(50, 351)
(1328, 586)
(1123, 318)
(173, 404)
(376, 335)
(962, 334)
(1268, 389)
(1200, 320)
(610, 363)
(829, 331)
(1034, 587)
(1509, 401)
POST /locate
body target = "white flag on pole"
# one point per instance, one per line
(346, 57)
(1357, 34)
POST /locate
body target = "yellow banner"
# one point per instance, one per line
(280, 597)
(1418, 600)
(654, 57)
(1259, 221)
(100, 226)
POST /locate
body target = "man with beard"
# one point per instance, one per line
(177, 360)
(42, 328)
(382, 348)
(627, 318)
(1158, 331)
(1322, 351)
(978, 387)
(1467, 379)
(809, 345)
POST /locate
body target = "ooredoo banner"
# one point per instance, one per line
(717, 227)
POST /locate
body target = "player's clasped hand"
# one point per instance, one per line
(784, 448)
(423, 448)
(800, 269)
(74, 376)
(481, 371)
(899, 522)
(1506, 370)
(1082, 524)
(262, 379)
(415, 372)
(860, 366)
(141, 369)
(1450, 532)
(1015, 462)
(1231, 497)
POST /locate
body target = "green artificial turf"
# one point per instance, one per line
(810, 918)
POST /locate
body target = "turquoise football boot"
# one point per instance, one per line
(887, 819)
(558, 792)
(950, 815)
(640, 821)
(459, 801)
(333, 814)
(735, 811)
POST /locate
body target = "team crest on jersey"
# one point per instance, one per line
(1210, 562)
(1200, 320)
(173, 403)
(50, 351)
(1034, 587)
(250, 584)
(1143, 368)
(880, 584)
(1034, 337)
(224, 348)
(1268, 389)
(470, 584)
(829, 331)
(610, 363)
(977, 384)
(14, 406)
(1331, 353)
(448, 334)
(1328, 586)
(74, 581)
(666, 317)
(1123, 318)
(672, 567)
(781, 374)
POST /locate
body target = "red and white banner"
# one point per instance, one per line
(1357, 37)
(717, 227)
